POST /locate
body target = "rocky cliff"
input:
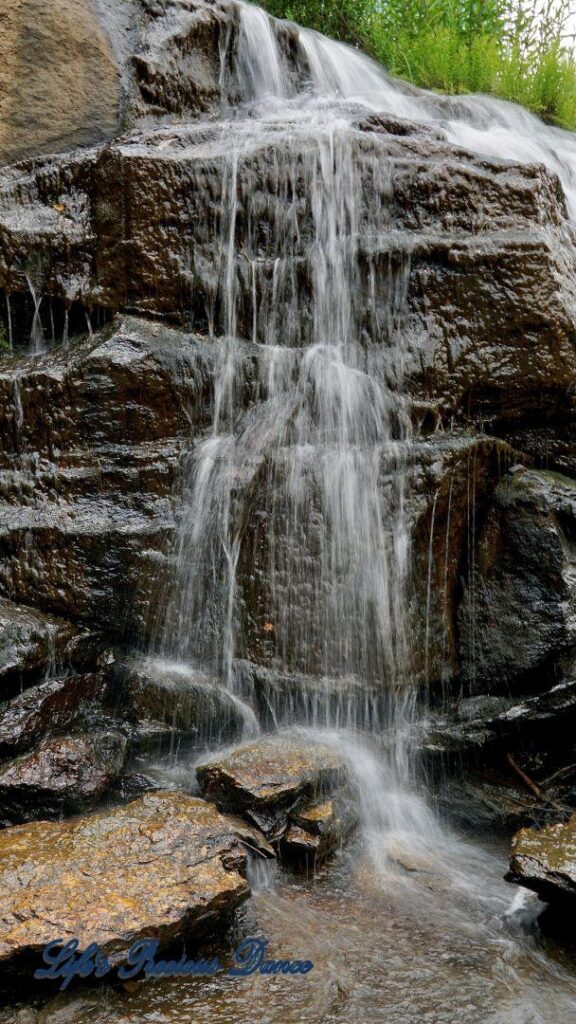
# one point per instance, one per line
(111, 258)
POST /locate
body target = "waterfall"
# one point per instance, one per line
(294, 540)
(320, 448)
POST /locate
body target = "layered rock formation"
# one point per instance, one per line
(112, 260)
(273, 782)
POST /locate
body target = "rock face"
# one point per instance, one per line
(83, 522)
(34, 644)
(61, 776)
(164, 865)
(269, 779)
(116, 257)
(94, 432)
(518, 613)
(545, 860)
(164, 699)
(52, 705)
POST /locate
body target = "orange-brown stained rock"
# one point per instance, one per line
(315, 831)
(271, 773)
(59, 79)
(157, 867)
(545, 860)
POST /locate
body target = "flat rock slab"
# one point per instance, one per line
(267, 779)
(544, 860)
(161, 866)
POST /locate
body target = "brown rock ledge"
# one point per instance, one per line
(160, 866)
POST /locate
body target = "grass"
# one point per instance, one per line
(518, 50)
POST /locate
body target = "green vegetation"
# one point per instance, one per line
(517, 49)
(4, 342)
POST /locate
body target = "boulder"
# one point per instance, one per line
(317, 830)
(544, 860)
(50, 706)
(164, 699)
(59, 80)
(518, 612)
(266, 780)
(63, 775)
(33, 643)
(73, 72)
(165, 865)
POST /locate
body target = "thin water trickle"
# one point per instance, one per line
(294, 524)
(37, 338)
(9, 320)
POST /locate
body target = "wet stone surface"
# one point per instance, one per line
(266, 780)
(163, 865)
(62, 776)
(545, 860)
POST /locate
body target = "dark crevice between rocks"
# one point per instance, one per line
(25, 327)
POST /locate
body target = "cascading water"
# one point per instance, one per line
(318, 453)
(296, 499)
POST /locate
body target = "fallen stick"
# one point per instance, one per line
(528, 782)
(533, 786)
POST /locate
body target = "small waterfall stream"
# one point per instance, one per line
(310, 445)
(320, 449)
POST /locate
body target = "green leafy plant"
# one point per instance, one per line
(519, 50)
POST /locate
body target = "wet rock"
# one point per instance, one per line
(518, 613)
(554, 708)
(33, 643)
(389, 125)
(178, 66)
(63, 775)
(489, 247)
(164, 699)
(283, 698)
(85, 523)
(439, 473)
(484, 708)
(451, 480)
(50, 706)
(483, 729)
(317, 830)
(165, 865)
(251, 837)
(488, 801)
(266, 780)
(484, 271)
(544, 860)
(133, 784)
